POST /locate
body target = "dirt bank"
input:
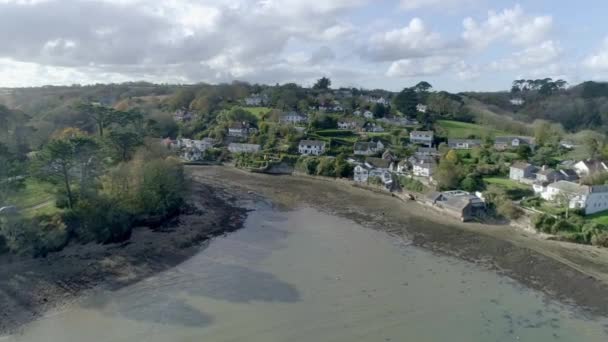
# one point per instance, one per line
(571, 273)
(29, 287)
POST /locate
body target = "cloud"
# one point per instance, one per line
(598, 61)
(542, 54)
(409, 5)
(323, 54)
(413, 40)
(511, 24)
(415, 67)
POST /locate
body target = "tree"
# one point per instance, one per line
(124, 142)
(379, 110)
(322, 83)
(448, 175)
(423, 87)
(11, 173)
(406, 101)
(64, 160)
(102, 116)
(524, 152)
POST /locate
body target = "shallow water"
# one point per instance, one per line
(307, 276)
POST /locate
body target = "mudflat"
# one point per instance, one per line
(573, 274)
(30, 287)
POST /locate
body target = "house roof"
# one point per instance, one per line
(507, 139)
(424, 133)
(546, 172)
(521, 165)
(463, 141)
(378, 162)
(426, 150)
(569, 187)
(594, 165)
(312, 143)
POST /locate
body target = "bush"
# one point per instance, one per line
(507, 209)
(411, 184)
(600, 239)
(36, 237)
(99, 220)
(375, 180)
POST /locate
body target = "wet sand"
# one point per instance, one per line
(572, 274)
(30, 287)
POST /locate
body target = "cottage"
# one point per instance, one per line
(311, 147)
(421, 108)
(256, 100)
(591, 199)
(201, 145)
(372, 127)
(502, 143)
(244, 148)
(368, 115)
(459, 203)
(522, 172)
(241, 129)
(424, 168)
(427, 151)
(368, 148)
(548, 175)
(422, 137)
(569, 175)
(292, 118)
(361, 173)
(347, 124)
(590, 167)
(518, 101)
(388, 155)
(463, 144)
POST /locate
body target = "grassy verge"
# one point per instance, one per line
(457, 129)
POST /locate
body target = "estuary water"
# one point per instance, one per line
(304, 275)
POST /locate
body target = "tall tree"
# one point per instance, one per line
(423, 87)
(322, 83)
(101, 115)
(406, 101)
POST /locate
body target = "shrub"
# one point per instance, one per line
(99, 220)
(411, 184)
(375, 180)
(600, 239)
(507, 209)
(36, 237)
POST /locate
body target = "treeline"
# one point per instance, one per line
(104, 183)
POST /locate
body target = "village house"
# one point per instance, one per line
(241, 130)
(590, 167)
(591, 199)
(368, 148)
(523, 172)
(426, 151)
(201, 145)
(374, 167)
(549, 175)
(402, 166)
(256, 100)
(348, 124)
(463, 144)
(372, 127)
(518, 101)
(422, 138)
(502, 143)
(388, 155)
(183, 115)
(292, 118)
(458, 203)
(311, 147)
(424, 167)
(191, 154)
(244, 148)
(368, 115)
(421, 108)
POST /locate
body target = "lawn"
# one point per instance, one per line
(514, 190)
(257, 111)
(601, 218)
(457, 129)
(34, 194)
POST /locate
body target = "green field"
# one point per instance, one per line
(457, 129)
(37, 198)
(257, 111)
(514, 190)
(601, 218)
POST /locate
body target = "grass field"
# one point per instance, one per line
(37, 198)
(457, 129)
(257, 111)
(514, 190)
(601, 218)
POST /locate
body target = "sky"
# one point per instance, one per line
(456, 45)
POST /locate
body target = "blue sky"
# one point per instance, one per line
(456, 45)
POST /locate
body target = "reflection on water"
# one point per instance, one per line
(307, 276)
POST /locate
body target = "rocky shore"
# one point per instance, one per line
(30, 287)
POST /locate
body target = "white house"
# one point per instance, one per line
(463, 144)
(422, 137)
(590, 167)
(347, 124)
(241, 129)
(292, 118)
(372, 127)
(522, 172)
(357, 113)
(591, 199)
(244, 148)
(368, 148)
(374, 167)
(518, 101)
(421, 108)
(368, 115)
(256, 100)
(311, 147)
(424, 168)
(507, 142)
(361, 173)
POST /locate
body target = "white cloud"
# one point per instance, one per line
(511, 24)
(598, 61)
(415, 67)
(547, 52)
(409, 5)
(413, 40)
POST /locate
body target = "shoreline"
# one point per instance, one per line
(32, 287)
(570, 273)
